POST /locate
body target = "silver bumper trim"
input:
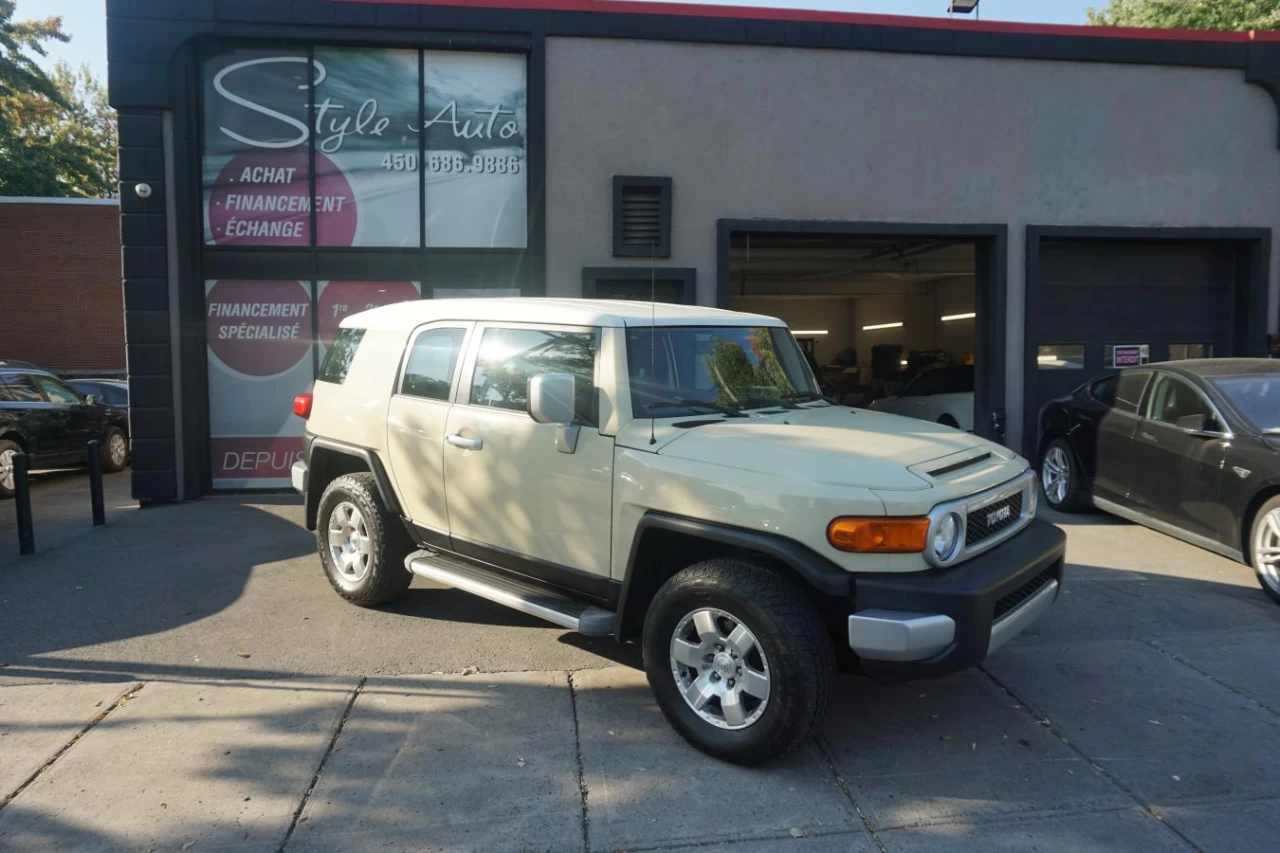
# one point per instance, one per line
(896, 636)
(298, 476)
(1015, 621)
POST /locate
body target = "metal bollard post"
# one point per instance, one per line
(22, 502)
(95, 483)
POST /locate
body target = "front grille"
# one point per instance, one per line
(1022, 593)
(990, 520)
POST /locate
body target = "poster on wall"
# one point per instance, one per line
(338, 299)
(366, 122)
(259, 339)
(475, 149)
(255, 167)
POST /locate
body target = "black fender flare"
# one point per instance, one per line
(371, 462)
(824, 576)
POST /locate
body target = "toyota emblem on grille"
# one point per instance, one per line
(999, 515)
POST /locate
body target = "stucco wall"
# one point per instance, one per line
(810, 134)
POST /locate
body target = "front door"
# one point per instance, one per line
(1176, 471)
(513, 497)
(83, 422)
(416, 420)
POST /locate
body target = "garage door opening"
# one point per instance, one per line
(889, 323)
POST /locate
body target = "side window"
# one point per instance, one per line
(337, 361)
(1129, 388)
(959, 380)
(1104, 390)
(6, 396)
(56, 391)
(23, 390)
(925, 384)
(509, 358)
(1172, 398)
(432, 359)
(115, 395)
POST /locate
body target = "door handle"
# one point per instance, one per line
(1148, 436)
(464, 442)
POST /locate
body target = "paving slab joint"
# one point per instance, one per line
(126, 695)
(582, 770)
(1176, 658)
(824, 749)
(1048, 724)
(324, 759)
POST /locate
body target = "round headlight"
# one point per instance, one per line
(946, 537)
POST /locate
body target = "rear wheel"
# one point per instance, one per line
(947, 420)
(114, 451)
(738, 659)
(1264, 547)
(7, 451)
(362, 545)
(1060, 477)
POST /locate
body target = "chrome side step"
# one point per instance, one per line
(586, 619)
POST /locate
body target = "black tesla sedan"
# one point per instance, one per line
(1189, 448)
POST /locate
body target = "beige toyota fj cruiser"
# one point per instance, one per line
(671, 475)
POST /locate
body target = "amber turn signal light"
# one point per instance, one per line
(879, 535)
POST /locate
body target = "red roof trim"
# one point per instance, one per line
(757, 13)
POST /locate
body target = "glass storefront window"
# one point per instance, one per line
(1060, 357)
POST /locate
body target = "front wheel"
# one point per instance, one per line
(1264, 547)
(738, 659)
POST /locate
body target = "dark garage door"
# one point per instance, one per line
(1176, 299)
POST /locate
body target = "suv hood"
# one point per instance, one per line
(834, 445)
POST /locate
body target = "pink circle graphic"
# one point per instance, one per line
(261, 199)
(340, 298)
(258, 328)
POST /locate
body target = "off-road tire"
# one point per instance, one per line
(104, 451)
(7, 446)
(386, 577)
(1070, 501)
(1272, 587)
(790, 633)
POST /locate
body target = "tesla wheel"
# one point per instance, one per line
(1059, 477)
(1264, 547)
(114, 451)
(362, 545)
(738, 659)
(7, 451)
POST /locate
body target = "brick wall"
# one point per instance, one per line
(60, 298)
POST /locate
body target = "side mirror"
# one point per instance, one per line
(551, 401)
(551, 397)
(90, 399)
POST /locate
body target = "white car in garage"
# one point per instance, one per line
(943, 395)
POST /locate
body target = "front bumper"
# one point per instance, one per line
(298, 476)
(930, 623)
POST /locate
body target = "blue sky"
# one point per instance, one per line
(85, 20)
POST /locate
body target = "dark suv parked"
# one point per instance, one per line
(43, 416)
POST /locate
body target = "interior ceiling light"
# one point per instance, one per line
(947, 318)
(872, 328)
(810, 332)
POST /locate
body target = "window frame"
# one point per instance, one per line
(468, 379)
(468, 330)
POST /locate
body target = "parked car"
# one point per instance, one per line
(943, 395)
(1189, 448)
(52, 422)
(671, 475)
(14, 362)
(110, 392)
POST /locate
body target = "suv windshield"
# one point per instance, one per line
(684, 370)
(1256, 396)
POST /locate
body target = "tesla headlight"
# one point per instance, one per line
(946, 537)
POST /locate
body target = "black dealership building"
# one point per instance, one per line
(1040, 202)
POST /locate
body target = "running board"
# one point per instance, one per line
(527, 597)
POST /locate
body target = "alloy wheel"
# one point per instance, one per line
(117, 450)
(1055, 475)
(720, 668)
(1266, 550)
(349, 543)
(6, 470)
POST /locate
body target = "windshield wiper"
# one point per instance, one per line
(697, 404)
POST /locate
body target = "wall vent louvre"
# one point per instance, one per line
(641, 217)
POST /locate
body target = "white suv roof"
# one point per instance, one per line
(569, 312)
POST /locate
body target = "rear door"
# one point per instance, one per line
(83, 422)
(416, 420)
(1117, 425)
(1178, 472)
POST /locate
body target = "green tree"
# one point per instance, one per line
(57, 132)
(1189, 14)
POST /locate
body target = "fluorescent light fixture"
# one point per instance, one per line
(809, 332)
(897, 325)
(947, 318)
(902, 363)
(1046, 359)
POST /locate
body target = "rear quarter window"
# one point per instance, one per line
(341, 353)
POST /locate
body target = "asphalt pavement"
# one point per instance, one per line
(186, 679)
